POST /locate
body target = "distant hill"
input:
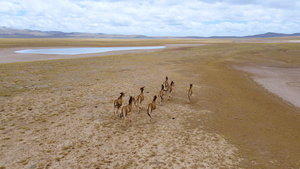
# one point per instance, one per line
(272, 35)
(265, 35)
(26, 33)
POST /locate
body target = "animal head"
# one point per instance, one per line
(142, 89)
(154, 98)
(172, 83)
(162, 87)
(191, 85)
(122, 94)
(167, 78)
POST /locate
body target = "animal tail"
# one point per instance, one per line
(165, 89)
(148, 111)
(121, 114)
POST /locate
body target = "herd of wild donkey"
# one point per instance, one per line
(126, 110)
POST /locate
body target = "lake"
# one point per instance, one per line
(77, 51)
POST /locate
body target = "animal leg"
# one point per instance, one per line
(124, 120)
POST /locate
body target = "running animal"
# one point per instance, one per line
(139, 99)
(166, 85)
(190, 92)
(161, 94)
(171, 89)
(118, 103)
(171, 86)
(151, 107)
(126, 110)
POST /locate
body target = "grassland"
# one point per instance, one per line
(58, 113)
(9, 43)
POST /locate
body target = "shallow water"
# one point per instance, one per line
(77, 51)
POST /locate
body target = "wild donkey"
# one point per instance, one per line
(166, 85)
(151, 107)
(171, 89)
(139, 99)
(190, 92)
(126, 110)
(171, 86)
(161, 94)
(118, 103)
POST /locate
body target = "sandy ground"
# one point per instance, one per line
(59, 114)
(72, 125)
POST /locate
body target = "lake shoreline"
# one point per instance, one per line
(83, 50)
(8, 55)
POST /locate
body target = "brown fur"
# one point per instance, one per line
(151, 107)
(139, 99)
(118, 103)
(190, 92)
(161, 94)
(171, 86)
(166, 85)
(126, 110)
(170, 89)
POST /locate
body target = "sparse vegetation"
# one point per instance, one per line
(62, 109)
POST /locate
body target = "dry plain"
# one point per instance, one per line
(59, 113)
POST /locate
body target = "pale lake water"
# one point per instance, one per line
(77, 51)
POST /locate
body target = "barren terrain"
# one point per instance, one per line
(59, 113)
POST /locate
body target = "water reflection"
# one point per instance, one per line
(77, 51)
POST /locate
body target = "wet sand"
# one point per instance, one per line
(284, 82)
(59, 114)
